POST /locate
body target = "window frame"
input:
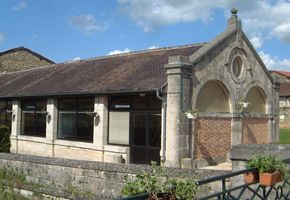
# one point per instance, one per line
(34, 111)
(76, 111)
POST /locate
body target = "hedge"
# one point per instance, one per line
(4, 139)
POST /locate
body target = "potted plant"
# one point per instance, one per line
(271, 170)
(191, 114)
(241, 106)
(155, 185)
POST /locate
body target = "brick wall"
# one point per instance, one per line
(212, 137)
(255, 131)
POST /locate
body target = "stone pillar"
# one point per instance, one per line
(101, 121)
(237, 130)
(16, 125)
(51, 122)
(178, 70)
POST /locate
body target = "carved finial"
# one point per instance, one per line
(234, 11)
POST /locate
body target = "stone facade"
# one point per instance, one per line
(216, 80)
(21, 59)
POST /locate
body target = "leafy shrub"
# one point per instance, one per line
(268, 164)
(5, 139)
(155, 183)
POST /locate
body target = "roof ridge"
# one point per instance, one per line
(137, 52)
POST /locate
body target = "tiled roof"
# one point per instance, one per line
(283, 73)
(130, 72)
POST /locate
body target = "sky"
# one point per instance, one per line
(66, 30)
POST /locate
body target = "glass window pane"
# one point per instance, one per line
(67, 104)
(120, 102)
(41, 105)
(139, 128)
(85, 127)
(2, 106)
(40, 124)
(27, 123)
(67, 126)
(9, 105)
(86, 104)
(33, 124)
(28, 105)
(155, 130)
(2, 118)
(119, 127)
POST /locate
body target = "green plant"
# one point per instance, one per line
(155, 183)
(268, 164)
(4, 139)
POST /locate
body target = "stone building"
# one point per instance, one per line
(142, 106)
(21, 58)
(284, 100)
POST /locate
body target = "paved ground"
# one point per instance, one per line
(221, 166)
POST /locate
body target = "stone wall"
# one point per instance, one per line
(255, 130)
(104, 180)
(212, 137)
(20, 60)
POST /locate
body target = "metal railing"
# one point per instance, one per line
(241, 192)
(245, 191)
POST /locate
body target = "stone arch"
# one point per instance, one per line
(258, 100)
(213, 96)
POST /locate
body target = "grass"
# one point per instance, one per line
(284, 136)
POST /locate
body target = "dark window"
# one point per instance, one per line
(33, 120)
(6, 113)
(76, 119)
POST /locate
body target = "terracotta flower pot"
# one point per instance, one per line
(251, 177)
(270, 179)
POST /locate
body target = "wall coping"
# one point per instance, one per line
(104, 166)
(245, 152)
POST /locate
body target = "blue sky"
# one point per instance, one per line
(64, 30)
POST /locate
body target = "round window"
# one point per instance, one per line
(237, 66)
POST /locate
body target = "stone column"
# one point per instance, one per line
(178, 70)
(237, 130)
(101, 122)
(16, 125)
(51, 122)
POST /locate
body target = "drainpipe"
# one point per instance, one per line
(164, 105)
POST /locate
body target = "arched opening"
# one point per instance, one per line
(257, 100)
(213, 97)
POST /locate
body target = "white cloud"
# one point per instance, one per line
(257, 42)
(275, 63)
(1, 37)
(76, 58)
(21, 5)
(153, 47)
(119, 52)
(261, 19)
(87, 23)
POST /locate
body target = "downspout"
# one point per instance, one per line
(163, 114)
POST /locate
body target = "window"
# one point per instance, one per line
(76, 119)
(33, 120)
(237, 66)
(120, 110)
(119, 128)
(6, 113)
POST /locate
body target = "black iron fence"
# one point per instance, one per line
(242, 191)
(245, 191)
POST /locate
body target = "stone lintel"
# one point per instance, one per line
(247, 151)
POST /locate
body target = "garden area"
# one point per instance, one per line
(284, 136)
